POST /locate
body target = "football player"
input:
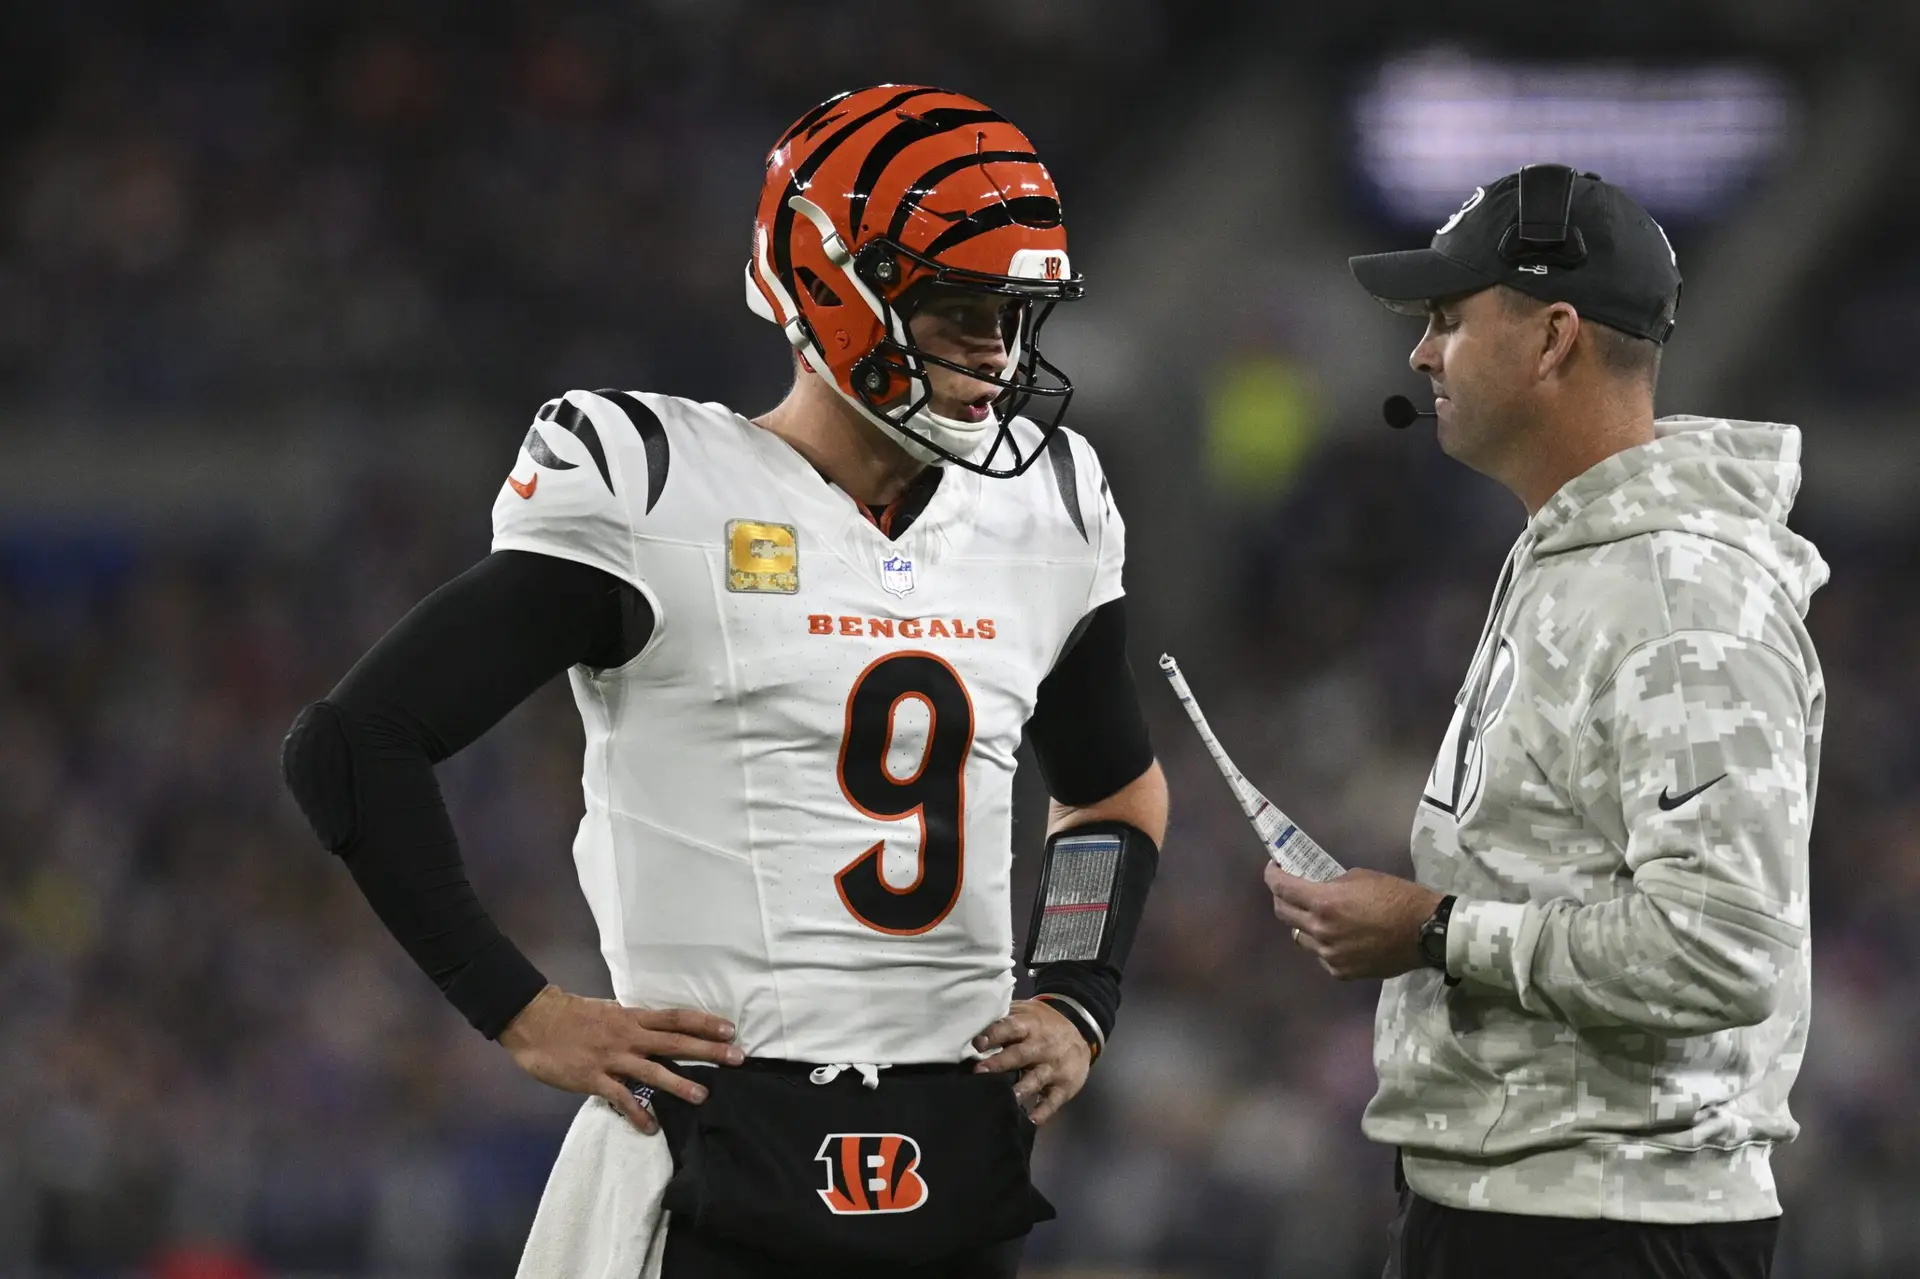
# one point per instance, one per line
(805, 647)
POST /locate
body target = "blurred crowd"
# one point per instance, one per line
(215, 1065)
(212, 204)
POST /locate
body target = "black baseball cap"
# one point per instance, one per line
(1551, 233)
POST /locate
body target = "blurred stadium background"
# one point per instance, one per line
(281, 283)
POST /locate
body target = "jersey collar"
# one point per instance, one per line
(827, 512)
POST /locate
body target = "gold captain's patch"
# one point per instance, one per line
(763, 558)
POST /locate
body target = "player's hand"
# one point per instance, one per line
(1363, 924)
(593, 1045)
(1047, 1049)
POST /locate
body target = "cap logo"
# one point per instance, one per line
(1473, 202)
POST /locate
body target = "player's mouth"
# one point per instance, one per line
(978, 409)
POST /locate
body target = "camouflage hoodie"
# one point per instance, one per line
(1622, 805)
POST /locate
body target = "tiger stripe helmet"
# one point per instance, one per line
(876, 192)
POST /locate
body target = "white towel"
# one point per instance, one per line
(600, 1216)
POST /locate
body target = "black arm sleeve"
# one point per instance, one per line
(1087, 731)
(361, 762)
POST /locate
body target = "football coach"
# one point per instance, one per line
(1597, 982)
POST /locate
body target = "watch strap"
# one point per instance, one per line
(1433, 935)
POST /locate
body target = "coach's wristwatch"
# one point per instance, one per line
(1433, 935)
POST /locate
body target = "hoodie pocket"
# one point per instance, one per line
(1435, 1094)
(1536, 1063)
(1481, 1077)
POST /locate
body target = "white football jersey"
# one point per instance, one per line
(799, 795)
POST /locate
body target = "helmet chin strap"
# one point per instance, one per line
(962, 439)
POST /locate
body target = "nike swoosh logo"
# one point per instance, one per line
(524, 490)
(1670, 802)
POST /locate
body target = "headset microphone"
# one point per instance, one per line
(1400, 413)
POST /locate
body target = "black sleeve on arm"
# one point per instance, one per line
(361, 763)
(1087, 731)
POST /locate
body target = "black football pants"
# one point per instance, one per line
(1433, 1242)
(690, 1255)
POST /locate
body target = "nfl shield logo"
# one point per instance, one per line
(896, 574)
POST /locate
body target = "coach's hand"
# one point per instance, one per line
(1048, 1050)
(1363, 924)
(590, 1045)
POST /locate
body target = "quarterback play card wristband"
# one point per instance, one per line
(1093, 889)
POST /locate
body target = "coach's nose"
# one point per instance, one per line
(1425, 356)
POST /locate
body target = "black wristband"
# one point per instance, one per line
(495, 985)
(1094, 990)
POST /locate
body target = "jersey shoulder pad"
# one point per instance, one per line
(569, 491)
(1075, 485)
(1083, 494)
(622, 434)
(594, 466)
(638, 438)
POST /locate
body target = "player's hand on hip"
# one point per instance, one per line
(1047, 1049)
(595, 1046)
(1363, 924)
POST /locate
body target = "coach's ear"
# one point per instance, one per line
(1559, 328)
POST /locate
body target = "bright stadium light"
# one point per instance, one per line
(1683, 140)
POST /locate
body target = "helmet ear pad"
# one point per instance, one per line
(843, 326)
(851, 339)
(845, 330)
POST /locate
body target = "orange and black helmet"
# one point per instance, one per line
(875, 193)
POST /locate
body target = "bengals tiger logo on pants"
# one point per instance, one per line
(871, 1172)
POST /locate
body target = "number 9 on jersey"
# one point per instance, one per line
(935, 793)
